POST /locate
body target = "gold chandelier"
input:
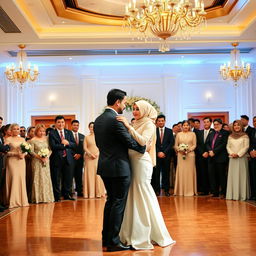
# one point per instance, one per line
(165, 18)
(235, 69)
(23, 73)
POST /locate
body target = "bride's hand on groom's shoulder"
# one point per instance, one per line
(123, 120)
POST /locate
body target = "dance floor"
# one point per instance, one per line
(201, 226)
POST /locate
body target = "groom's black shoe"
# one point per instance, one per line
(118, 247)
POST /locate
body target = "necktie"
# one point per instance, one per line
(161, 135)
(64, 154)
(214, 139)
(76, 138)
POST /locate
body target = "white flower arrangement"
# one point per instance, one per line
(44, 152)
(131, 100)
(184, 149)
(25, 147)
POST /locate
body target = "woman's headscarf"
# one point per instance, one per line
(237, 135)
(148, 113)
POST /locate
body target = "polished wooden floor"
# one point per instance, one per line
(202, 226)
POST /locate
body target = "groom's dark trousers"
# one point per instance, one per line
(113, 141)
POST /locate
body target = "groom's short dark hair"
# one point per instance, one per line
(114, 95)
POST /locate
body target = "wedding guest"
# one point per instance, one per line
(62, 144)
(28, 159)
(16, 194)
(185, 182)
(40, 150)
(196, 124)
(252, 169)
(93, 184)
(7, 132)
(191, 122)
(247, 128)
(180, 126)
(23, 132)
(202, 156)
(218, 159)
(254, 121)
(3, 150)
(78, 157)
(30, 133)
(164, 144)
(226, 127)
(238, 173)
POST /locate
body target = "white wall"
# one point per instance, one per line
(82, 89)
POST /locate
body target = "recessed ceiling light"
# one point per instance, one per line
(63, 22)
(70, 58)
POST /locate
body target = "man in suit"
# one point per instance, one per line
(202, 157)
(247, 128)
(196, 125)
(252, 162)
(113, 141)
(23, 132)
(218, 158)
(164, 145)
(63, 145)
(3, 149)
(78, 157)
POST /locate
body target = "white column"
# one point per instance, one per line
(88, 107)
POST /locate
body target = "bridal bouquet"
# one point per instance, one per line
(44, 152)
(184, 149)
(25, 147)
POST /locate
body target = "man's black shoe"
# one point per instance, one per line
(69, 198)
(57, 200)
(118, 247)
(167, 194)
(80, 194)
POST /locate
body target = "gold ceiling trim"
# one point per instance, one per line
(103, 19)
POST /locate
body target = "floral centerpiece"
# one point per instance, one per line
(25, 147)
(184, 149)
(131, 100)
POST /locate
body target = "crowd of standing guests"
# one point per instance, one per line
(46, 165)
(218, 160)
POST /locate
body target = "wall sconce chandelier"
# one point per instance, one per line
(22, 73)
(165, 18)
(235, 69)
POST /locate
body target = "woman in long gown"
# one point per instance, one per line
(42, 191)
(143, 221)
(185, 182)
(238, 174)
(93, 185)
(16, 194)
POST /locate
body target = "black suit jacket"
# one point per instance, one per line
(168, 142)
(249, 131)
(3, 149)
(253, 140)
(113, 141)
(201, 144)
(79, 148)
(57, 148)
(220, 151)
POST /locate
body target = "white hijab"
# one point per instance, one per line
(148, 113)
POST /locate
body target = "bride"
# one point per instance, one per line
(143, 221)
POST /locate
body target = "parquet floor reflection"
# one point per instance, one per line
(202, 226)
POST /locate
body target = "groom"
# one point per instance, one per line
(113, 141)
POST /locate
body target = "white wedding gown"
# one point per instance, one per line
(143, 222)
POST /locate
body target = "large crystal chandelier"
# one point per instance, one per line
(22, 73)
(235, 69)
(165, 18)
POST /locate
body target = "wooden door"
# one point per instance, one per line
(224, 116)
(50, 120)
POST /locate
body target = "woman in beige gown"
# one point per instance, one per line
(16, 194)
(93, 185)
(185, 182)
(143, 221)
(42, 191)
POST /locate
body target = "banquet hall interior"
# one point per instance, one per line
(78, 50)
